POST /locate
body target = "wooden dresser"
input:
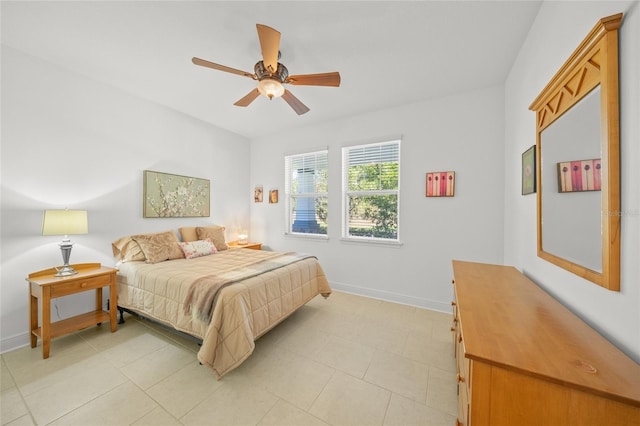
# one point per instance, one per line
(525, 359)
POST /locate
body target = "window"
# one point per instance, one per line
(371, 191)
(306, 193)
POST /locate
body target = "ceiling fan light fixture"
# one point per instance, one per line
(270, 88)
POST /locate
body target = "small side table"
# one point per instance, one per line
(44, 285)
(249, 245)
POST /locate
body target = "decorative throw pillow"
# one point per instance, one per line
(193, 249)
(126, 249)
(188, 233)
(215, 234)
(159, 247)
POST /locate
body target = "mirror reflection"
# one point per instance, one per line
(570, 152)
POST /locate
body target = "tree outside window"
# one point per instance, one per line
(371, 191)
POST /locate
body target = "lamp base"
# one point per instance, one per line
(65, 271)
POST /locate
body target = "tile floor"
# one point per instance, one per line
(347, 360)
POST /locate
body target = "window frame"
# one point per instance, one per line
(346, 194)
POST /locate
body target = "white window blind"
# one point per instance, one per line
(371, 191)
(306, 193)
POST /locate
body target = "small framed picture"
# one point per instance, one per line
(529, 171)
(257, 194)
(441, 184)
(273, 196)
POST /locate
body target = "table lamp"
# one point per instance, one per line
(243, 238)
(65, 222)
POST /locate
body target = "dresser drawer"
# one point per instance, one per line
(79, 285)
(463, 404)
(463, 377)
(455, 328)
(463, 363)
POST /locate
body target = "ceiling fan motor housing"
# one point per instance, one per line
(261, 71)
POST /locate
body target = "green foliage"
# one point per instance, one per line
(321, 209)
(379, 210)
(372, 177)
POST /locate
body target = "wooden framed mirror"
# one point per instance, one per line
(578, 167)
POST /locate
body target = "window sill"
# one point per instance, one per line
(318, 237)
(371, 241)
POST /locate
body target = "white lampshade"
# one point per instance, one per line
(270, 88)
(243, 238)
(65, 222)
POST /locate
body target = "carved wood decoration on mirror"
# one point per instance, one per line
(578, 172)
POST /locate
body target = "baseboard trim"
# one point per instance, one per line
(14, 342)
(388, 296)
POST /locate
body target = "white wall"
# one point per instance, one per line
(463, 133)
(68, 141)
(557, 31)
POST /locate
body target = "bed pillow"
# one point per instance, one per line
(159, 247)
(188, 233)
(198, 248)
(125, 249)
(215, 234)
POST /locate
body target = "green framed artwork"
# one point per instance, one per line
(529, 171)
(167, 195)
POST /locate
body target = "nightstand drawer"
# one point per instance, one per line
(79, 285)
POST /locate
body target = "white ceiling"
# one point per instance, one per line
(388, 52)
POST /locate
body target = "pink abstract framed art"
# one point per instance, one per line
(441, 184)
(579, 176)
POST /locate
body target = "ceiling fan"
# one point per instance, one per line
(271, 75)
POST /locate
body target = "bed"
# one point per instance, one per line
(227, 298)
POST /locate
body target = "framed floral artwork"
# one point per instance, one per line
(441, 184)
(167, 195)
(529, 171)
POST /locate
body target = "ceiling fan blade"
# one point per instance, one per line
(219, 67)
(270, 45)
(249, 97)
(324, 79)
(294, 102)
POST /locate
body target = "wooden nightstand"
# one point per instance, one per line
(44, 285)
(253, 246)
